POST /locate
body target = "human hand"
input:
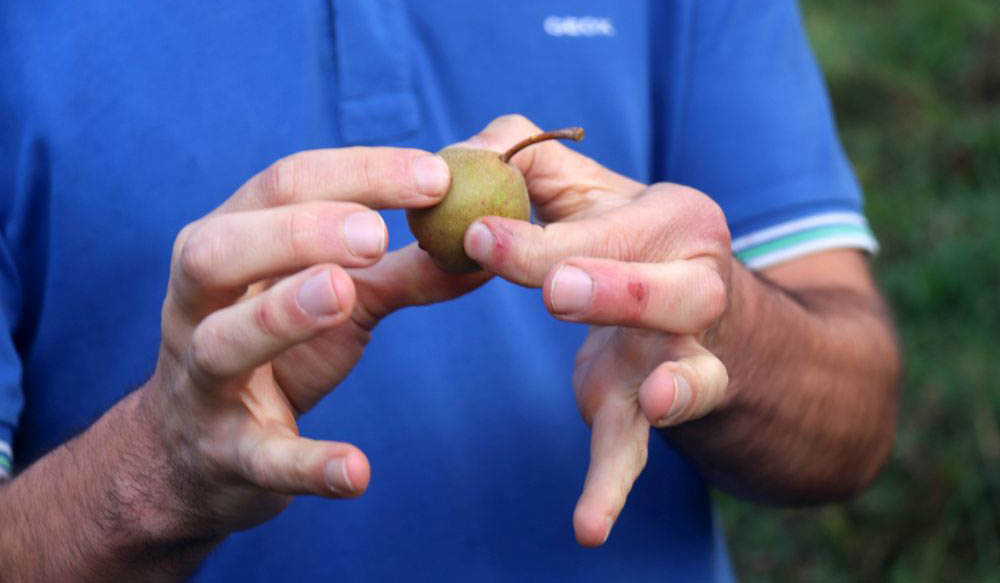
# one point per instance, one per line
(649, 268)
(270, 303)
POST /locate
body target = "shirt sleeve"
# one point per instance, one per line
(750, 124)
(11, 396)
(11, 393)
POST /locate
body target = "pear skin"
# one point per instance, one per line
(483, 183)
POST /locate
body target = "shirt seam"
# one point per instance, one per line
(685, 64)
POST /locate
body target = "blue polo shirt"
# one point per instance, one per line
(120, 122)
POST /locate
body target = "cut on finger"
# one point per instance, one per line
(678, 297)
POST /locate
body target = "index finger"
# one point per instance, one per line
(374, 177)
(664, 222)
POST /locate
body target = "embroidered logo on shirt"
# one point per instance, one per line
(588, 26)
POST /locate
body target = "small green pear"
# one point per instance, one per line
(483, 183)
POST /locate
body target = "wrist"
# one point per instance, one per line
(153, 500)
(103, 508)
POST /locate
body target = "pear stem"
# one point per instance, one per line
(574, 133)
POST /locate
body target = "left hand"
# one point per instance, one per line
(649, 268)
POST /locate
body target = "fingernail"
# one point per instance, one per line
(610, 522)
(682, 396)
(364, 233)
(431, 175)
(317, 296)
(337, 478)
(479, 242)
(572, 289)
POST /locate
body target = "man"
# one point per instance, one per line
(131, 131)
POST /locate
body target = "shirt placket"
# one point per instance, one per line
(375, 95)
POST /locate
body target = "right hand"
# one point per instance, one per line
(270, 303)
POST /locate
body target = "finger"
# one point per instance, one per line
(233, 341)
(294, 465)
(374, 177)
(524, 253)
(561, 182)
(618, 451)
(408, 277)
(310, 370)
(227, 252)
(680, 297)
(684, 389)
(665, 222)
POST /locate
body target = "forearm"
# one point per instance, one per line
(810, 410)
(99, 508)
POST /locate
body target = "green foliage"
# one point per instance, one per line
(916, 87)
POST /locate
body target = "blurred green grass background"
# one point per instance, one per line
(916, 88)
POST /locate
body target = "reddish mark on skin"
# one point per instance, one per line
(501, 242)
(637, 290)
(640, 296)
(265, 318)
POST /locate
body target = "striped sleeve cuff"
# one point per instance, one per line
(800, 237)
(6, 460)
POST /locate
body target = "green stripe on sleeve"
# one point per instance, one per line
(802, 237)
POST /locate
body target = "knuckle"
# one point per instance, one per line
(280, 182)
(533, 257)
(721, 384)
(182, 236)
(667, 190)
(258, 469)
(516, 120)
(711, 220)
(615, 238)
(688, 194)
(384, 170)
(198, 255)
(266, 320)
(367, 172)
(300, 232)
(618, 244)
(719, 233)
(204, 355)
(701, 220)
(396, 167)
(715, 299)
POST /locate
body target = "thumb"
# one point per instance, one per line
(293, 465)
(685, 388)
(407, 277)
